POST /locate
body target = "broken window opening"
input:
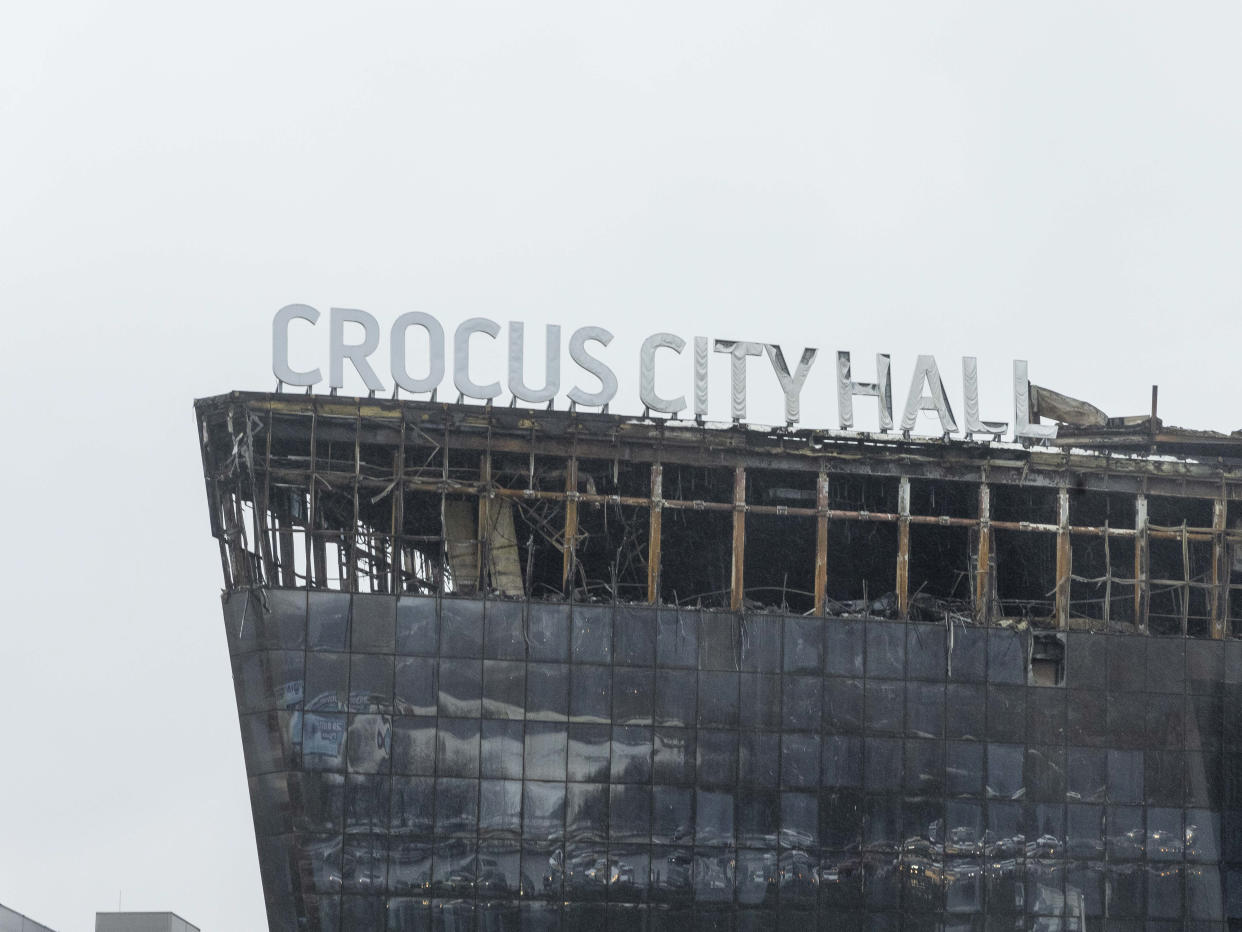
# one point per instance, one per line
(1026, 576)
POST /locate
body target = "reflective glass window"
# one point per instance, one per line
(592, 634)
(374, 623)
(501, 749)
(461, 627)
(457, 748)
(504, 633)
(589, 752)
(418, 627)
(677, 641)
(547, 692)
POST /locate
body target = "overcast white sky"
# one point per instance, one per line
(1052, 181)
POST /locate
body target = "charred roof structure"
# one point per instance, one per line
(1127, 527)
(506, 669)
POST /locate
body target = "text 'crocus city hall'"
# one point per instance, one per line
(500, 668)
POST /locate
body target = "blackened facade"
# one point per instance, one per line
(507, 670)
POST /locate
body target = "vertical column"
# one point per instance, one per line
(317, 552)
(983, 559)
(352, 549)
(485, 519)
(653, 533)
(263, 507)
(1142, 590)
(571, 523)
(1063, 558)
(398, 511)
(821, 542)
(739, 537)
(903, 547)
(1220, 571)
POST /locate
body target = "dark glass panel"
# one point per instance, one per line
(713, 816)
(801, 700)
(925, 652)
(1004, 778)
(365, 870)
(1007, 713)
(504, 633)
(457, 806)
(1125, 835)
(1045, 774)
(924, 709)
(842, 761)
(461, 627)
(1127, 664)
(591, 694)
(1006, 657)
(676, 697)
(673, 815)
(327, 620)
(414, 745)
(717, 753)
(270, 802)
(757, 819)
(500, 808)
(457, 748)
(843, 706)
(634, 636)
(925, 767)
(964, 768)
(547, 691)
(883, 765)
(592, 634)
(501, 750)
(374, 624)
(418, 629)
(318, 801)
(1087, 774)
(674, 757)
(323, 740)
(1045, 716)
(799, 819)
(718, 698)
(412, 811)
(267, 680)
(968, 656)
(759, 758)
(843, 647)
(885, 706)
(546, 745)
(327, 682)
(504, 689)
(371, 683)
(886, 649)
(632, 696)
(803, 645)
(632, 747)
(270, 741)
(415, 692)
(629, 812)
(460, 688)
(965, 711)
(760, 701)
(1166, 665)
(589, 752)
(586, 811)
(677, 638)
(1084, 839)
(799, 760)
(713, 875)
(370, 743)
(547, 631)
(1165, 891)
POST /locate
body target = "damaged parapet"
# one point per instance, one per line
(365, 495)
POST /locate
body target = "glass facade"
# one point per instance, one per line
(461, 763)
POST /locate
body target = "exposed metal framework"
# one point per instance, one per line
(404, 496)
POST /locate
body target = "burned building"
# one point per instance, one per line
(510, 669)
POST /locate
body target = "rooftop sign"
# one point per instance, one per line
(659, 351)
